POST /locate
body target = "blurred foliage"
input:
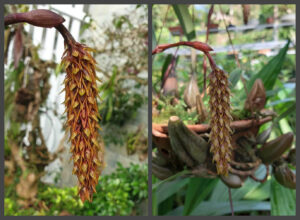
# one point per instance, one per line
(199, 196)
(119, 193)
(167, 109)
(124, 87)
(120, 102)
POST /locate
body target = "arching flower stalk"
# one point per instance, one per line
(82, 116)
(220, 135)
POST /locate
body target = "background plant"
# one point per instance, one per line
(120, 193)
(125, 76)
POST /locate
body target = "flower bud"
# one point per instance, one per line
(232, 180)
(285, 176)
(272, 150)
(256, 99)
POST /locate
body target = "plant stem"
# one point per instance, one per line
(69, 40)
(14, 18)
(47, 19)
(195, 44)
(230, 200)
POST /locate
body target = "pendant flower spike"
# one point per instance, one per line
(220, 134)
(82, 116)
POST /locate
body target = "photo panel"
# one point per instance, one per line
(76, 110)
(223, 109)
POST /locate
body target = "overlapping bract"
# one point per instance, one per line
(220, 135)
(82, 117)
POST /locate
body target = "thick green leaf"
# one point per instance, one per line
(283, 200)
(260, 193)
(250, 185)
(198, 189)
(269, 73)
(168, 60)
(167, 205)
(185, 20)
(234, 77)
(222, 208)
(167, 189)
(280, 101)
(290, 109)
(154, 198)
(154, 204)
(177, 175)
(176, 212)
(220, 192)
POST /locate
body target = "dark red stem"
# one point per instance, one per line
(39, 18)
(42, 18)
(194, 44)
(69, 40)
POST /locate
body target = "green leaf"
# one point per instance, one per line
(169, 188)
(234, 77)
(220, 192)
(283, 200)
(280, 101)
(166, 206)
(198, 189)
(58, 69)
(167, 61)
(222, 208)
(176, 212)
(158, 184)
(185, 20)
(269, 73)
(291, 109)
(110, 108)
(260, 193)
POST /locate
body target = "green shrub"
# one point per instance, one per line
(60, 199)
(117, 194)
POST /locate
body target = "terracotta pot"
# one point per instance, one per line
(240, 128)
